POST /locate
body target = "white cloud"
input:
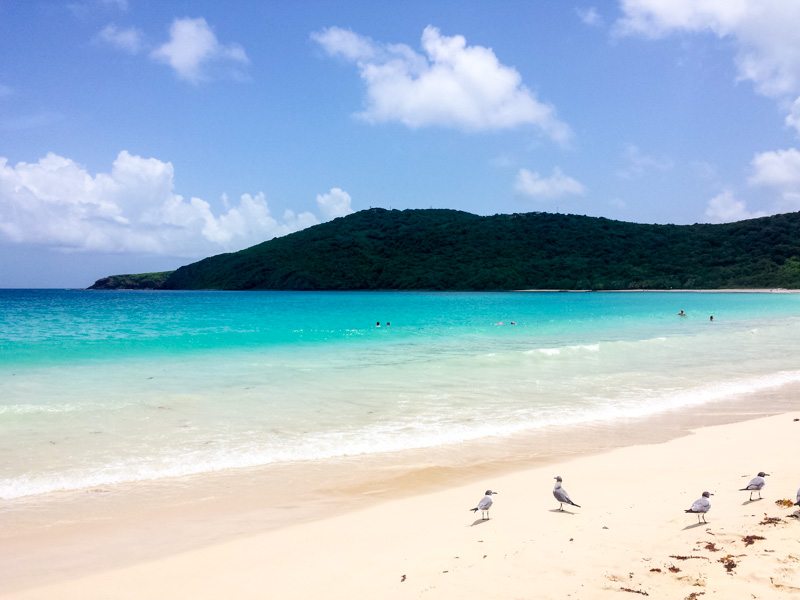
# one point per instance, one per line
(725, 208)
(57, 203)
(765, 32)
(589, 16)
(637, 163)
(451, 85)
(536, 186)
(193, 48)
(130, 40)
(793, 118)
(335, 203)
(778, 169)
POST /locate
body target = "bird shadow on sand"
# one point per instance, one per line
(694, 525)
(746, 502)
(564, 512)
(479, 521)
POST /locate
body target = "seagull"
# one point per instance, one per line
(701, 506)
(484, 505)
(798, 499)
(561, 494)
(756, 484)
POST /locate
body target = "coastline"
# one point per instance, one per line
(673, 291)
(139, 531)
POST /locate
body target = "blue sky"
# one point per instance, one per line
(139, 136)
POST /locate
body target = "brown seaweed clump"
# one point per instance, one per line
(749, 540)
(728, 563)
(642, 592)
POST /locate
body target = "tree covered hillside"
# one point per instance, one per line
(452, 250)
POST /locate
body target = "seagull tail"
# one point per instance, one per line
(474, 509)
(688, 510)
(573, 504)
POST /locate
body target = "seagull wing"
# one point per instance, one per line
(561, 495)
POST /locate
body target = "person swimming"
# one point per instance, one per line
(681, 314)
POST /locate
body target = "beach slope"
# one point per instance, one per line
(630, 537)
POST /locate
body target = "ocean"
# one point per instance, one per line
(103, 388)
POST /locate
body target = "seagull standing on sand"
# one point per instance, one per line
(701, 506)
(756, 484)
(484, 505)
(561, 494)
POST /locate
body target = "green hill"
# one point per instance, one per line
(435, 249)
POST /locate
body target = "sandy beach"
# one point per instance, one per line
(630, 537)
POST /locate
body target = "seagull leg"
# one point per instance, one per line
(704, 518)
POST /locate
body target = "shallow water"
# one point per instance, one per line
(110, 387)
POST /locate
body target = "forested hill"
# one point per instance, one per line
(434, 249)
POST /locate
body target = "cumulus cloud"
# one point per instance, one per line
(779, 171)
(193, 48)
(637, 163)
(335, 203)
(450, 85)
(56, 203)
(129, 40)
(765, 33)
(555, 186)
(725, 208)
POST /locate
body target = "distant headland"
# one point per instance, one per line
(450, 250)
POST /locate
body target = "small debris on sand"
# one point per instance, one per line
(749, 540)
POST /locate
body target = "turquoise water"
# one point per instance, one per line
(108, 387)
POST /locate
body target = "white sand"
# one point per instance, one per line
(627, 536)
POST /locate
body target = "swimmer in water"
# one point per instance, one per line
(681, 314)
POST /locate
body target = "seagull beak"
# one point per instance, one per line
(493, 493)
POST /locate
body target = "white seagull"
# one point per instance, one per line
(756, 484)
(561, 494)
(701, 506)
(484, 505)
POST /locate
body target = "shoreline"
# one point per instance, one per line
(673, 291)
(93, 532)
